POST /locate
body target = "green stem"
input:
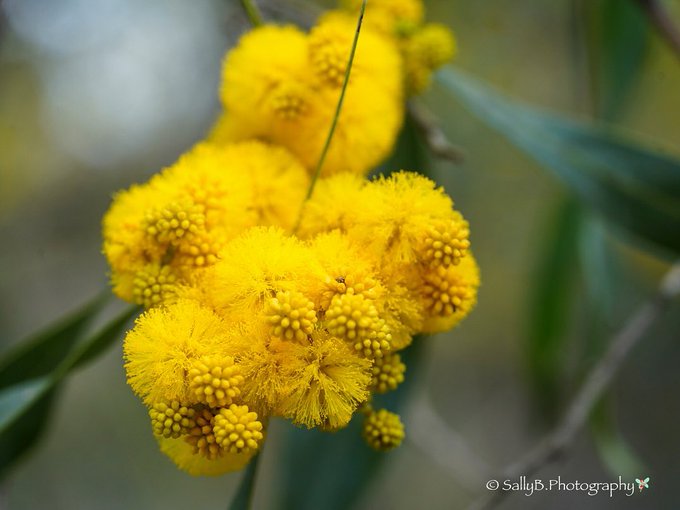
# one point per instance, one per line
(254, 14)
(243, 499)
(334, 123)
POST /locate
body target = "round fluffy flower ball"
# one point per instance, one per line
(449, 294)
(163, 345)
(282, 85)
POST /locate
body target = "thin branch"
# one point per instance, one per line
(334, 123)
(599, 379)
(254, 14)
(661, 19)
(434, 137)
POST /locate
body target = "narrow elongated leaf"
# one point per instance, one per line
(614, 450)
(41, 354)
(618, 39)
(631, 185)
(605, 286)
(14, 400)
(246, 489)
(25, 406)
(24, 411)
(550, 308)
(99, 343)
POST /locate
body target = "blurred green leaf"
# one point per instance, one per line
(618, 39)
(41, 354)
(600, 265)
(605, 282)
(630, 185)
(102, 340)
(550, 309)
(409, 153)
(244, 495)
(25, 406)
(332, 470)
(614, 451)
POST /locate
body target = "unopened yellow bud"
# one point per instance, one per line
(237, 429)
(215, 381)
(383, 430)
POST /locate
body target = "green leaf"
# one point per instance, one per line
(550, 308)
(618, 40)
(41, 354)
(24, 410)
(99, 343)
(333, 470)
(614, 451)
(409, 153)
(602, 274)
(630, 185)
(244, 495)
(25, 406)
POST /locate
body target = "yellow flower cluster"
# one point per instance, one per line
(424, 46)
(260, 306)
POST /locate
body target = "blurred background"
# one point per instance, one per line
(98, 94)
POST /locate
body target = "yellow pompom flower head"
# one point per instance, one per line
(281, 84)
(388, 373)
(237, 429)
(171, 419)
(383, 430)
(215, 381)
(291, 315)
(424, 46)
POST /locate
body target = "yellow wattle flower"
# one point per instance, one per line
(427, 49)
(171, 419)
(254, 267)
(202, 436)
(154, 284)
(424, 47)
(215, 380)
(383, 430)
(328, 381)
(448, 294)
(291, 315)
(400, 220)
(282, 85)
(237, 429)
(125, 244)
(388, 373)
(164, 345)
(355, 319)
(347, 268)
(330, 206)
